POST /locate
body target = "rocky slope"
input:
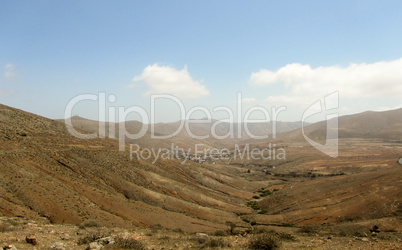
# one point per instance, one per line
(46, 172)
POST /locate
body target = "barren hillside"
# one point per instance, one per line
(47, 172)
(385, 125)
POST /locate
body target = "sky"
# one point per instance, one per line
(203, 56)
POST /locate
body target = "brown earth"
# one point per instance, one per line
(48, 174)
(13, 231)
(385, 125)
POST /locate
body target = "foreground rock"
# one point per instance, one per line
(58, 246)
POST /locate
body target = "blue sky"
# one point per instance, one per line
(276, 53)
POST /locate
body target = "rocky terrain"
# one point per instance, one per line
(17, 233)
(60, 189)
(46, 172)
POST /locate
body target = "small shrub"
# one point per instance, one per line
(12, 222)
(263, 211)
(220, 233)
(232, 227)
(91, 237)
(23, 134)
(281, 235)
(384, 237)
(286, 237)
(308, 229)
(89, 223)
(214, 242)
(265, 193)
(264, 241)
(165, 237)
(5, 228)
(260, 231)
(352, 230)
(253, 205)
(286, 225)
(177, 230)
(256, 197)
(199, 239)
(253, 223)
(129, 243)
(246, 220)
(156, 227)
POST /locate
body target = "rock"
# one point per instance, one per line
(202, 235)
(125, 235)
(375, 229)
(106, 241)
(94, 245)
(10, 247)
(365, 239)
(65, 237)
(31, 240)
(57, 246)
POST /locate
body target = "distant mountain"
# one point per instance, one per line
(385, 125)
(186, 138)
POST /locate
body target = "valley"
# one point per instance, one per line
(51, 177)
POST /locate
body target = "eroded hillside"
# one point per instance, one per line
(47, 172)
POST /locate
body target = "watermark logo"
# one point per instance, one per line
(200, 153)
(237, 125)
(329, 105)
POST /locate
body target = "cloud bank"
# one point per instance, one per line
(380, 79)
(168, 80)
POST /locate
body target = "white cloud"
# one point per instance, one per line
(385, 108)
(168, 80)
(380, 79)
(9, 72)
